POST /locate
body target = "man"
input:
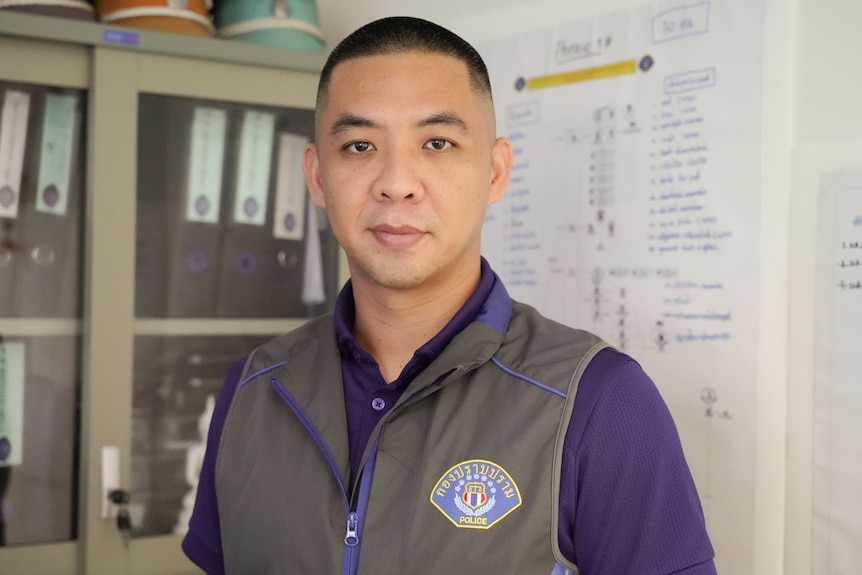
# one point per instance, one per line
(431, 425)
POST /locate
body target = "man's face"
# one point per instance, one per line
(405, 165)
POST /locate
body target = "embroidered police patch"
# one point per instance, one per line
(476, 494)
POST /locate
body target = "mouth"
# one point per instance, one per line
(397, 236)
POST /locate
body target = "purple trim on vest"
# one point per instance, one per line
(261, 372)
(321, 445)
(527, 379)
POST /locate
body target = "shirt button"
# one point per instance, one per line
(378, 404)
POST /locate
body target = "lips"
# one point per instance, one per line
(397, 236)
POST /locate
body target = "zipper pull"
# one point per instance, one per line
(352, 537)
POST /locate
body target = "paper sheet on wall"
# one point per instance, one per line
(633, 212)
(837, 527)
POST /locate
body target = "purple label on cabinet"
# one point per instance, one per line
(121, 37)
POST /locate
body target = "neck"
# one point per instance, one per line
(392, 324)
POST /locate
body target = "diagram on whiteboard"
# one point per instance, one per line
(633, 211)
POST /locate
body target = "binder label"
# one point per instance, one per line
(206, 156)
(290, 197)
(13, 136)
(11, 403)
(55, 159)
(255, 155)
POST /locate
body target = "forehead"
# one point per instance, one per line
(410, 77)
(380, 62)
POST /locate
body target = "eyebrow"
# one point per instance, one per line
(445, 118)
(347, 121)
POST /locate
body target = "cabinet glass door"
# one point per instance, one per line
(229, 252)
(41, 207)
(119, 319)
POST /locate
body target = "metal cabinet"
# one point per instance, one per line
(159, 230)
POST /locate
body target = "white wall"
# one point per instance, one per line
(829, 88)
(828, 135)
(811, 100)
(340, 17)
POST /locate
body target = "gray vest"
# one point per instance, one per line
(462, 475)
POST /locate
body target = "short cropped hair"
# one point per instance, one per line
(399, 35)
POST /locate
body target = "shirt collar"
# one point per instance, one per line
(489, 304)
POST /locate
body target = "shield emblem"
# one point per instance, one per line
(474, 494)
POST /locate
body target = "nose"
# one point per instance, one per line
(399, 176)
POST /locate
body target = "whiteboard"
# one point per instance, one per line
(633, 211)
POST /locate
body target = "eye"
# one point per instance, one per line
(359, 147)
(438, 144)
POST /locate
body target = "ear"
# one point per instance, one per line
(501, 167)
(311, 167)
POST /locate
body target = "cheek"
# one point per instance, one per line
(342, 181)
(339, 224)
(343, 205)
(466, 210)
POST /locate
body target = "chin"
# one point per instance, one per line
(396, 276)
(399, 281)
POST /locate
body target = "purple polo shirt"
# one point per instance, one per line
(367, 396)
(628, 504)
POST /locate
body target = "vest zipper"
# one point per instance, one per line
(350, 563)
(354, 517)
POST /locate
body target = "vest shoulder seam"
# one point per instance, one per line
(529, 380)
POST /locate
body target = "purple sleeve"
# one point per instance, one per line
(628, 503)
(202, 543)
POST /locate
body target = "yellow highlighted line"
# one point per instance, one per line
(618, 69)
